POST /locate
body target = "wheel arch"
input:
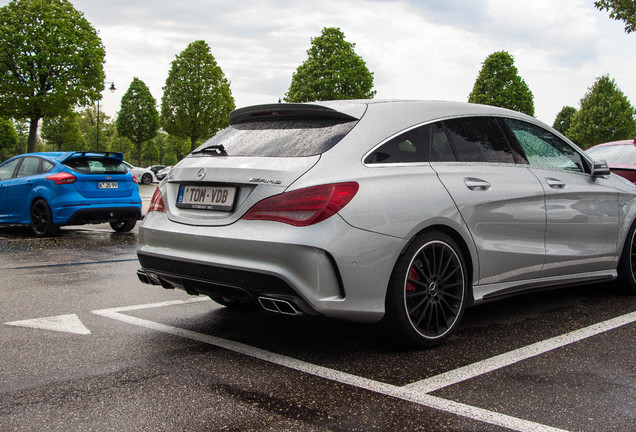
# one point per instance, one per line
(470, 258)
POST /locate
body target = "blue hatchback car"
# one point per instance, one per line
(48, 190)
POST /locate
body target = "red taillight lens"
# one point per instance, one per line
(135, 179)
(304, 207)
(156, 203)
(62, 178)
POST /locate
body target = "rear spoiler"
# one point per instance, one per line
(286, 111)
(117, 155)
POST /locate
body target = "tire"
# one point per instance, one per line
(146, 178)
(123, 226)
(427, 292)
(626, 282)
(42, 220)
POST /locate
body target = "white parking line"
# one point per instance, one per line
(416, 392)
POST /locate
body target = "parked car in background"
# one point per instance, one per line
(48, 190)
(156, 168)
(163, 173)
(403, 212)
(144, 175)
(620, 156)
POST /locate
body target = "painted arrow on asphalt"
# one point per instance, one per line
(61, 323)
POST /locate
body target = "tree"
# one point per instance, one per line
(563, 120)
(138, 118)
(621, 10)
(499, 84)
(51, 59)
(87, 120)
(197, 99)
(63, 132)
(9, 139)
(179, 147)
(605, 115)
(332, 71)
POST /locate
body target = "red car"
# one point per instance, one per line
(620, 156)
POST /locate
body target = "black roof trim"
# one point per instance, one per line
(286, 111)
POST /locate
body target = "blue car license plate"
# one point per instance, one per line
(108, 185)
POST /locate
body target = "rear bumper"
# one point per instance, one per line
(103, 215)
(329, 269)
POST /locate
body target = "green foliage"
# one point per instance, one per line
(605, 115)
(9, 139)
(51, 59)
(150, 153)
(563, 120)
(499, 84)
(63, 133)
(170, 159)
(332, 71)
(197, 98)
(621, 10)
(138, 118)
(87, 120)
(179, 147)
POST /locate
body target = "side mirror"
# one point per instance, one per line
(600, 168)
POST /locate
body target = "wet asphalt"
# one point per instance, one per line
(556, 360)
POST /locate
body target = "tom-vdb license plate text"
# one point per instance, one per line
(206, 197)
(108, 185)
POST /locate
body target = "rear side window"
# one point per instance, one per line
(422, 144)
(479, 139)
(282, 138)
(96, 165)
(30, 166)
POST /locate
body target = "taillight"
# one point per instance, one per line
(156, 203)
(304, 207)
(135, 179)
(62, 178)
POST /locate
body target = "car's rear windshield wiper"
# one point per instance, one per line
(218, 150)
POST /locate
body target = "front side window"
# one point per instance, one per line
(479, 139)
(544, 149)
(7, 169)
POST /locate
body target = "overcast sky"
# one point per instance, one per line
(416, 49)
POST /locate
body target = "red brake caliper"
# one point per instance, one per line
(410, 286)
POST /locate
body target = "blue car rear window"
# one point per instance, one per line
(96, 165)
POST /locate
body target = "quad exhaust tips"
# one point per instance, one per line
(278, 306)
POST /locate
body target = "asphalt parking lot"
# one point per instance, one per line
(86, 346)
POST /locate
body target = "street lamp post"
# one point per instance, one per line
(112, 90)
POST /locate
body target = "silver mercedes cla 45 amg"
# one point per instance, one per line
(404, 212)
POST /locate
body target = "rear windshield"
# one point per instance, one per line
(96, 165)
(281, 138)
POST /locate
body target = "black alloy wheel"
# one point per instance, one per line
(42, 220)
(123, 226)
(427, 292)
(627, 264)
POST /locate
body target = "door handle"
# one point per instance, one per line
(476, 184)
(555, 183)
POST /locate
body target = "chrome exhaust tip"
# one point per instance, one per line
(278, 306)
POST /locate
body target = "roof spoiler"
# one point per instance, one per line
(117, 155)
(286, 111)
